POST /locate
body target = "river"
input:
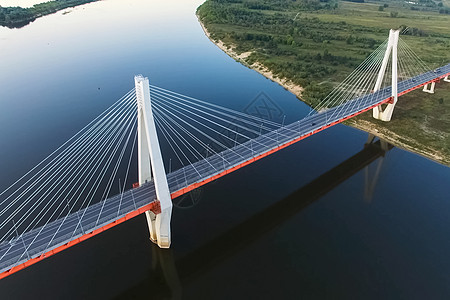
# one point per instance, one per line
(241, 237)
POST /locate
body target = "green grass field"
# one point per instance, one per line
(367, 14)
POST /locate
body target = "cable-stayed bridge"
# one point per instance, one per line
(66, 198)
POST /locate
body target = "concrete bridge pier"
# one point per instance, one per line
(431, 89)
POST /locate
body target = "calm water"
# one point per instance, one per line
(262, 232)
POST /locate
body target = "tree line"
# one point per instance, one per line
(19, 16)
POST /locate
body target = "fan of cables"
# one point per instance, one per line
(363, 79)
(82, 171)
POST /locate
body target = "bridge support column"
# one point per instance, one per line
(446, 79)
(386, 113)
(151, 163)
(429, 90)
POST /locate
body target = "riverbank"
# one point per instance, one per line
(16, 17)
(364, 122)
(399, 141)
(257, 66)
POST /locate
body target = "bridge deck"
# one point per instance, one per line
(215, 166)
(42, 242)
(74, 226)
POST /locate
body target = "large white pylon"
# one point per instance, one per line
(378, 112)
(150, 162)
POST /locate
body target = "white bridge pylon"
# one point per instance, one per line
(386, 113)
(150, 163)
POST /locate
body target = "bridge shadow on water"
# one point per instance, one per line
(168, 274)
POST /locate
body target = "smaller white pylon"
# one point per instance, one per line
(386, 113)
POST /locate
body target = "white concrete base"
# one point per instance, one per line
(429, 90)
(383, 115)
(446, 79)
(151, 221)
(159, 226)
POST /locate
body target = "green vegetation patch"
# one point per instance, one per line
(19, 16)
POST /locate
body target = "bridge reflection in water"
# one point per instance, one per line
(170, 274)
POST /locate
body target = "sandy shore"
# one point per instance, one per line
(287, 84)
(402, 142)
(364, 125)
